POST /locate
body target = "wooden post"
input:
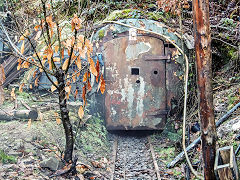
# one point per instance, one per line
(2, 79)
(202, 38)
(225, 164)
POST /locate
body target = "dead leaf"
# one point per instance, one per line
(40, 116)
(56, 48)
(58, 120)
(80, 112)
(65, 64)
(21, 87)
(98, 70)
(36, 27)
(85, 77)
(2, 74)
(29, 123)
(21, 38)
(75, 94)
(36, 82)
(102, 87)
(78, 63)
(96, 164)
(62, 53)
(53, 88)
(84, 94)
(22, 47)
(81, 168)
(89, 86)
(56, 59)
(13, 94)
(92, 67)
(74, 77)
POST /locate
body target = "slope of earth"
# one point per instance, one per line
(33, 149)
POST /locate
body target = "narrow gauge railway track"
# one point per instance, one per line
(134, 159)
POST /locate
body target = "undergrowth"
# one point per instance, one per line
(5, 158)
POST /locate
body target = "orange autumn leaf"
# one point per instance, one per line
(51, 33)
(19, 64)
(53, 88)
(56, 59)
(89, 87)
(21, 87)
(49, 53)
(58, 120)
(76, 23)
(36, 82)
(74, 77)
(62, 53)
(92, 67)
(22, 48)
(98, 70)
(75, 94)
(36, 27)
(85, 76)
(65, 64)
(13, 96)
(56, 49)
(102, 86)
(48, 6)
(3, 73)
(34, 74)
(29, 123)
(21, 38)
(84, 94)
(25, 64)
(80, 112)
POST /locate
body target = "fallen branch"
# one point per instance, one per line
(197, 141)
(18, 115)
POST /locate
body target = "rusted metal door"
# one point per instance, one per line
(135, 82)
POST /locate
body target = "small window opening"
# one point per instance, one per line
(137, 81)
(155, 72)
(169, 45)
(135, 71)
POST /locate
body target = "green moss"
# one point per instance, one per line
(101, 33)
(4, 158)
(166, 153)
(136, 14)
(93, 137)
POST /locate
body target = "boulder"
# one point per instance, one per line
(51, 163)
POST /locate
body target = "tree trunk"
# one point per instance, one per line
(65, 117)
(204, 74)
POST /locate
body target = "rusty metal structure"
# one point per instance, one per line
(142, 74)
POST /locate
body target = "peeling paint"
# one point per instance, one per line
(137, 99)
(134, 50)
(141, 93)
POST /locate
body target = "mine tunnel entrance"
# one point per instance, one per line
(136, 83)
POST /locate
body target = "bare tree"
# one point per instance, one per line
(53, 61)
